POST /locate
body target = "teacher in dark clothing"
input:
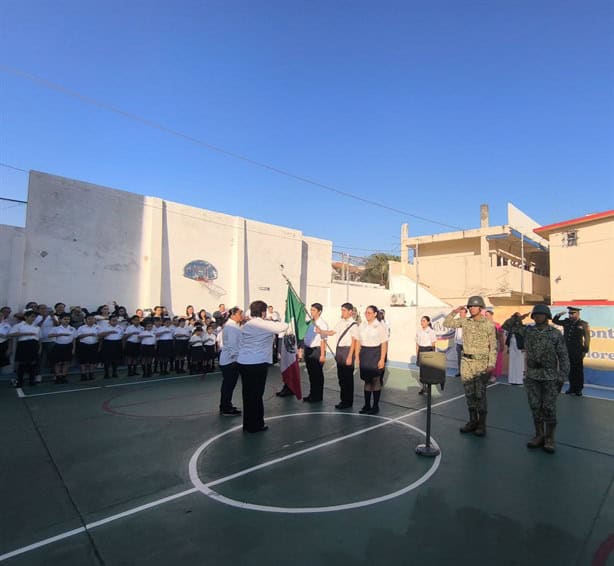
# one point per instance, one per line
(254, 358)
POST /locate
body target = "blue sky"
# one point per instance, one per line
(428, 107)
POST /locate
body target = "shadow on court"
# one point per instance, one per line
(150, 473)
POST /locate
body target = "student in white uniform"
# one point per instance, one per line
(426, 339)
(231, 338)
(165, 337)
(147, 339)
(347, 334)
(28, 348)
(132, 344)
(111, 347)
(86, 342)
(5, 343)
(315, 354)
(64, 337)
(372, 350)
(209, 342)
(197, 350)
(182, 338)
(458, 340)
(254, 358)
(45, 320)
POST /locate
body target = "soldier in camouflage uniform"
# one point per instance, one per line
(547, 369)
(477, 362)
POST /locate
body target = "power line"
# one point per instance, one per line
(212, 147)
(13, 167)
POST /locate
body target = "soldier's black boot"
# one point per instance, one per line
(480, 430)
(538, 439)
(473, 422)
(549, 439)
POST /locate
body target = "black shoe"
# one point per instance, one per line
(569, 392)
(311, 400)
(285, 392)
(373, 410)
(307, 399)
(343, 406)
(365, 410)
(233, 412)
(578, 393)
(265, 427)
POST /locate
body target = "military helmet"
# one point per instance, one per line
(541, 309)
(476, 301)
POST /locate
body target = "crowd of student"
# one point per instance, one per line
(153, 339)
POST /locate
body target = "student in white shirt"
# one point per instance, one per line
(182, 338)
(347, 334)
(164, 344)
(62, 353)
(132, 344)
(86, 342)
(372, 350)
(315, 354)
(147, 339)
(425, 342)
(209, 342)
(46, 321)
(111, 347)
(5, 343)
(458, 339)
(254, 358)
(197, 350)
(231, 338)
(28, 348)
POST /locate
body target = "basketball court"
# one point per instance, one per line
(128, 471)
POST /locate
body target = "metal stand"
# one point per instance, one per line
(427, 449)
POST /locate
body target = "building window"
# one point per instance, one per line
(570, 239)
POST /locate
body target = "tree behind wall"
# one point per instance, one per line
(376, 268)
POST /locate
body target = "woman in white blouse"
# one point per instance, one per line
(255, 347)
(27, 355)
(425, 342)
(371, 352)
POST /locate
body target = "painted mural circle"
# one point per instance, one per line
(206, 488)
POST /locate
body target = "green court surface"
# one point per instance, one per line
(147, 472)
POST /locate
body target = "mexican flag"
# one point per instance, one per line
(296, 318)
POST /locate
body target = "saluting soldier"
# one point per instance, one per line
(577, 334)
(478, 360)
(547, 369)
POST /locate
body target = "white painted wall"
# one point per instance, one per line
(89, 245)
(12, 245)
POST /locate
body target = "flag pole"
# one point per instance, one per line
(281, 267)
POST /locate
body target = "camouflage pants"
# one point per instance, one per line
(542, 396)
(475, 381)
(475, 394)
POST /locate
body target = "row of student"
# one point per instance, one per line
(154, 342)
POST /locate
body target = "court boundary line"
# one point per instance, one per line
(158, 502)
(22, 395)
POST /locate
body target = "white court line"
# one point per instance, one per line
(20, 393)
(97, 387)
(157, 502)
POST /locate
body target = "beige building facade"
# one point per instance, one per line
(581, 259)
(507, 264)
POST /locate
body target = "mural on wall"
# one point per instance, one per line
(204, 273)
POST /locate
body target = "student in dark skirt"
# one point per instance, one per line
(197, 351)
(147, 339)
(27, 355)
(182, 338)
(132, 344)
(86, 347)
(210, 341)
(64, 337)
(111, 346)
(372, 349)
(164, 344)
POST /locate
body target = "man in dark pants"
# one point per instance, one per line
(577, 334)
(347, 335)
(231, 336)
(315, 354)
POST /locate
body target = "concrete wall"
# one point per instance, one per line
(584, 271)
(11, 264)
(89, 245)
